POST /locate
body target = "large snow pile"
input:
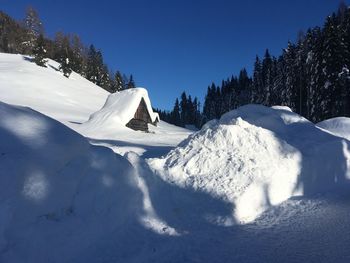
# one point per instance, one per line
(46, 90)
(58, 194)
(339, 126)
(119, 109)
(255, 157)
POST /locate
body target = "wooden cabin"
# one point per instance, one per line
(141, 118)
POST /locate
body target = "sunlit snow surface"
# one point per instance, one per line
(218, 197)
(257, 157)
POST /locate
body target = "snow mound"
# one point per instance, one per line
(120, 108)
(256, 157)
(58, 194)
(339, 126)
(46, 90)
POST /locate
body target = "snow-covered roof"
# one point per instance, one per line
(120, 108)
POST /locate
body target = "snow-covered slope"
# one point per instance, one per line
(58, 194)
(47, 90)
(72, 101)
(255, 157)
(338, 126)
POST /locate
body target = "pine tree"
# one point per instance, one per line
(78, 58)
(95, 69)
(64, 57)
(343, 82)
(257, 86)
(184, 109)
(267, 78)
(175, 114)
(131, 83)
(119, 82)
(39, 51)
(34, 27)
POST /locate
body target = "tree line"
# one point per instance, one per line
(311, 76)
(27, 37)
(186, 112)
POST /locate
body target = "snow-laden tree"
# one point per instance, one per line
(39, 51)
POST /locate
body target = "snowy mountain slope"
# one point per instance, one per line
(47, 90)
(72, 101)
(338, 126)
(256, 157)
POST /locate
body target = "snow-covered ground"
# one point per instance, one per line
(259, 185)
(257, 157)
(338, 126)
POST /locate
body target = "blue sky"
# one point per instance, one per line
(176, 45)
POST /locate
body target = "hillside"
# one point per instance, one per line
(72, 101)
(47, 90)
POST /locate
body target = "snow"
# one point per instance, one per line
(120, 108)
(57, 190)
(257, 157)
(73, 100)
(72, 192)
(339, 126)
(46, 90)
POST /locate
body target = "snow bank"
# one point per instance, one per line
(46, 90)
(255, 157)
(338, 126)
(58, 194)
(120, 108)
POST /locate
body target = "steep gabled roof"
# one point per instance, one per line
(120, 108)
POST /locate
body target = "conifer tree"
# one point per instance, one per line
(257, 86)
(183, 109)
(175, 114)
(131, 83)
(34, 28)
(64, 57)
(39, 51)
(119, 82)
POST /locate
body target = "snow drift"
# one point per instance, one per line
(255, 157)
(339, 126)
(58, 194)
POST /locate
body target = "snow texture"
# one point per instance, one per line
(64, 199)
(58, 194)
(257, 157)
(339, 126)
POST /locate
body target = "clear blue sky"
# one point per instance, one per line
(176, 45)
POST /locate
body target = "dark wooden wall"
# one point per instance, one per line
(141, 118)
